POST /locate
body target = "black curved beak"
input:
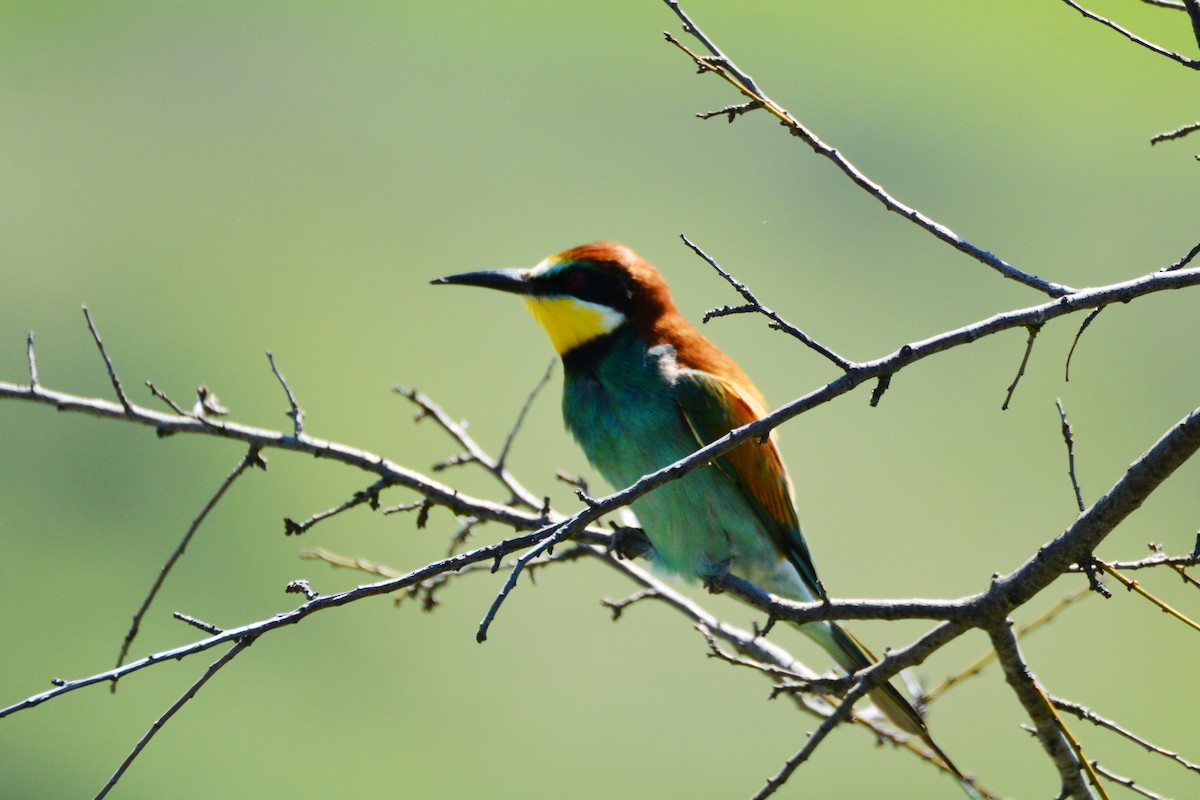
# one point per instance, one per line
(515, 281)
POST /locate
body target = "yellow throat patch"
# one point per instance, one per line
(572, 322)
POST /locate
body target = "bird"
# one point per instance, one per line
(643, 388)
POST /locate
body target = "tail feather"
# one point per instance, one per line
(852, 655)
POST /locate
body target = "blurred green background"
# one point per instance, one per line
(217, 179)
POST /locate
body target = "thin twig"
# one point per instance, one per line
(294, 412)
(547, 544)
(502, 459)
(253, 458)
(722, 65)
(351, 562)
(475, 453)
(370, 496)
(732, 112)
(112, 372)
(161, 395)
(33, 370)
(715, 52)
(1178, 133)
(1183, 262)
(1069, 438)
(487, 553)
(840, 714)
(228, 656)
(777, 322)
(1160, 560)
(1083, 712)
(1034, 330)
(1135, 586)
(1095, 312)
(1128, 783)
(617, 607)
(772, 671)
(1133, 37)
(207, 627)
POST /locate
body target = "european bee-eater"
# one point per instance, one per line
(642, 389)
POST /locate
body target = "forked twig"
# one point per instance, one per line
(112, 372)
(213, 668)
(1083, 712)
(723, 66)
(777, 322)
(253, 458)
(1135, 586)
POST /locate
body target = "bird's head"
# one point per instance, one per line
(585, 293)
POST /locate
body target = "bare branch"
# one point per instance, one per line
(440, 494)
(841, 713)
(196, 623)
(1083, 712)
(1034, 330)
(1177, 133)
(1095, 312)
(777, 322)
(1051, 732)
(1133, 37)
(283, 619)
(977, 666)
(1193, 10)
(1069, 439)
(1158, 560)
(1128, 783)
(546, 545)
(112, 372)
(213, 668)
(253, 458)
(295, 412)
(1135, 586)
(161, 395)
(33, 371)
(370, 496)
(618, 606)
(722, 65)
(475, 453)
(1183, 262)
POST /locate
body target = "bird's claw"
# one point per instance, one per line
(629, 543)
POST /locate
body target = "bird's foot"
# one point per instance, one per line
(629, 543)
(713, 578)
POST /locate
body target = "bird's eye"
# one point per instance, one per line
(574, 278)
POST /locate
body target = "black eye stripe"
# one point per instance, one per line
(592, 282)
